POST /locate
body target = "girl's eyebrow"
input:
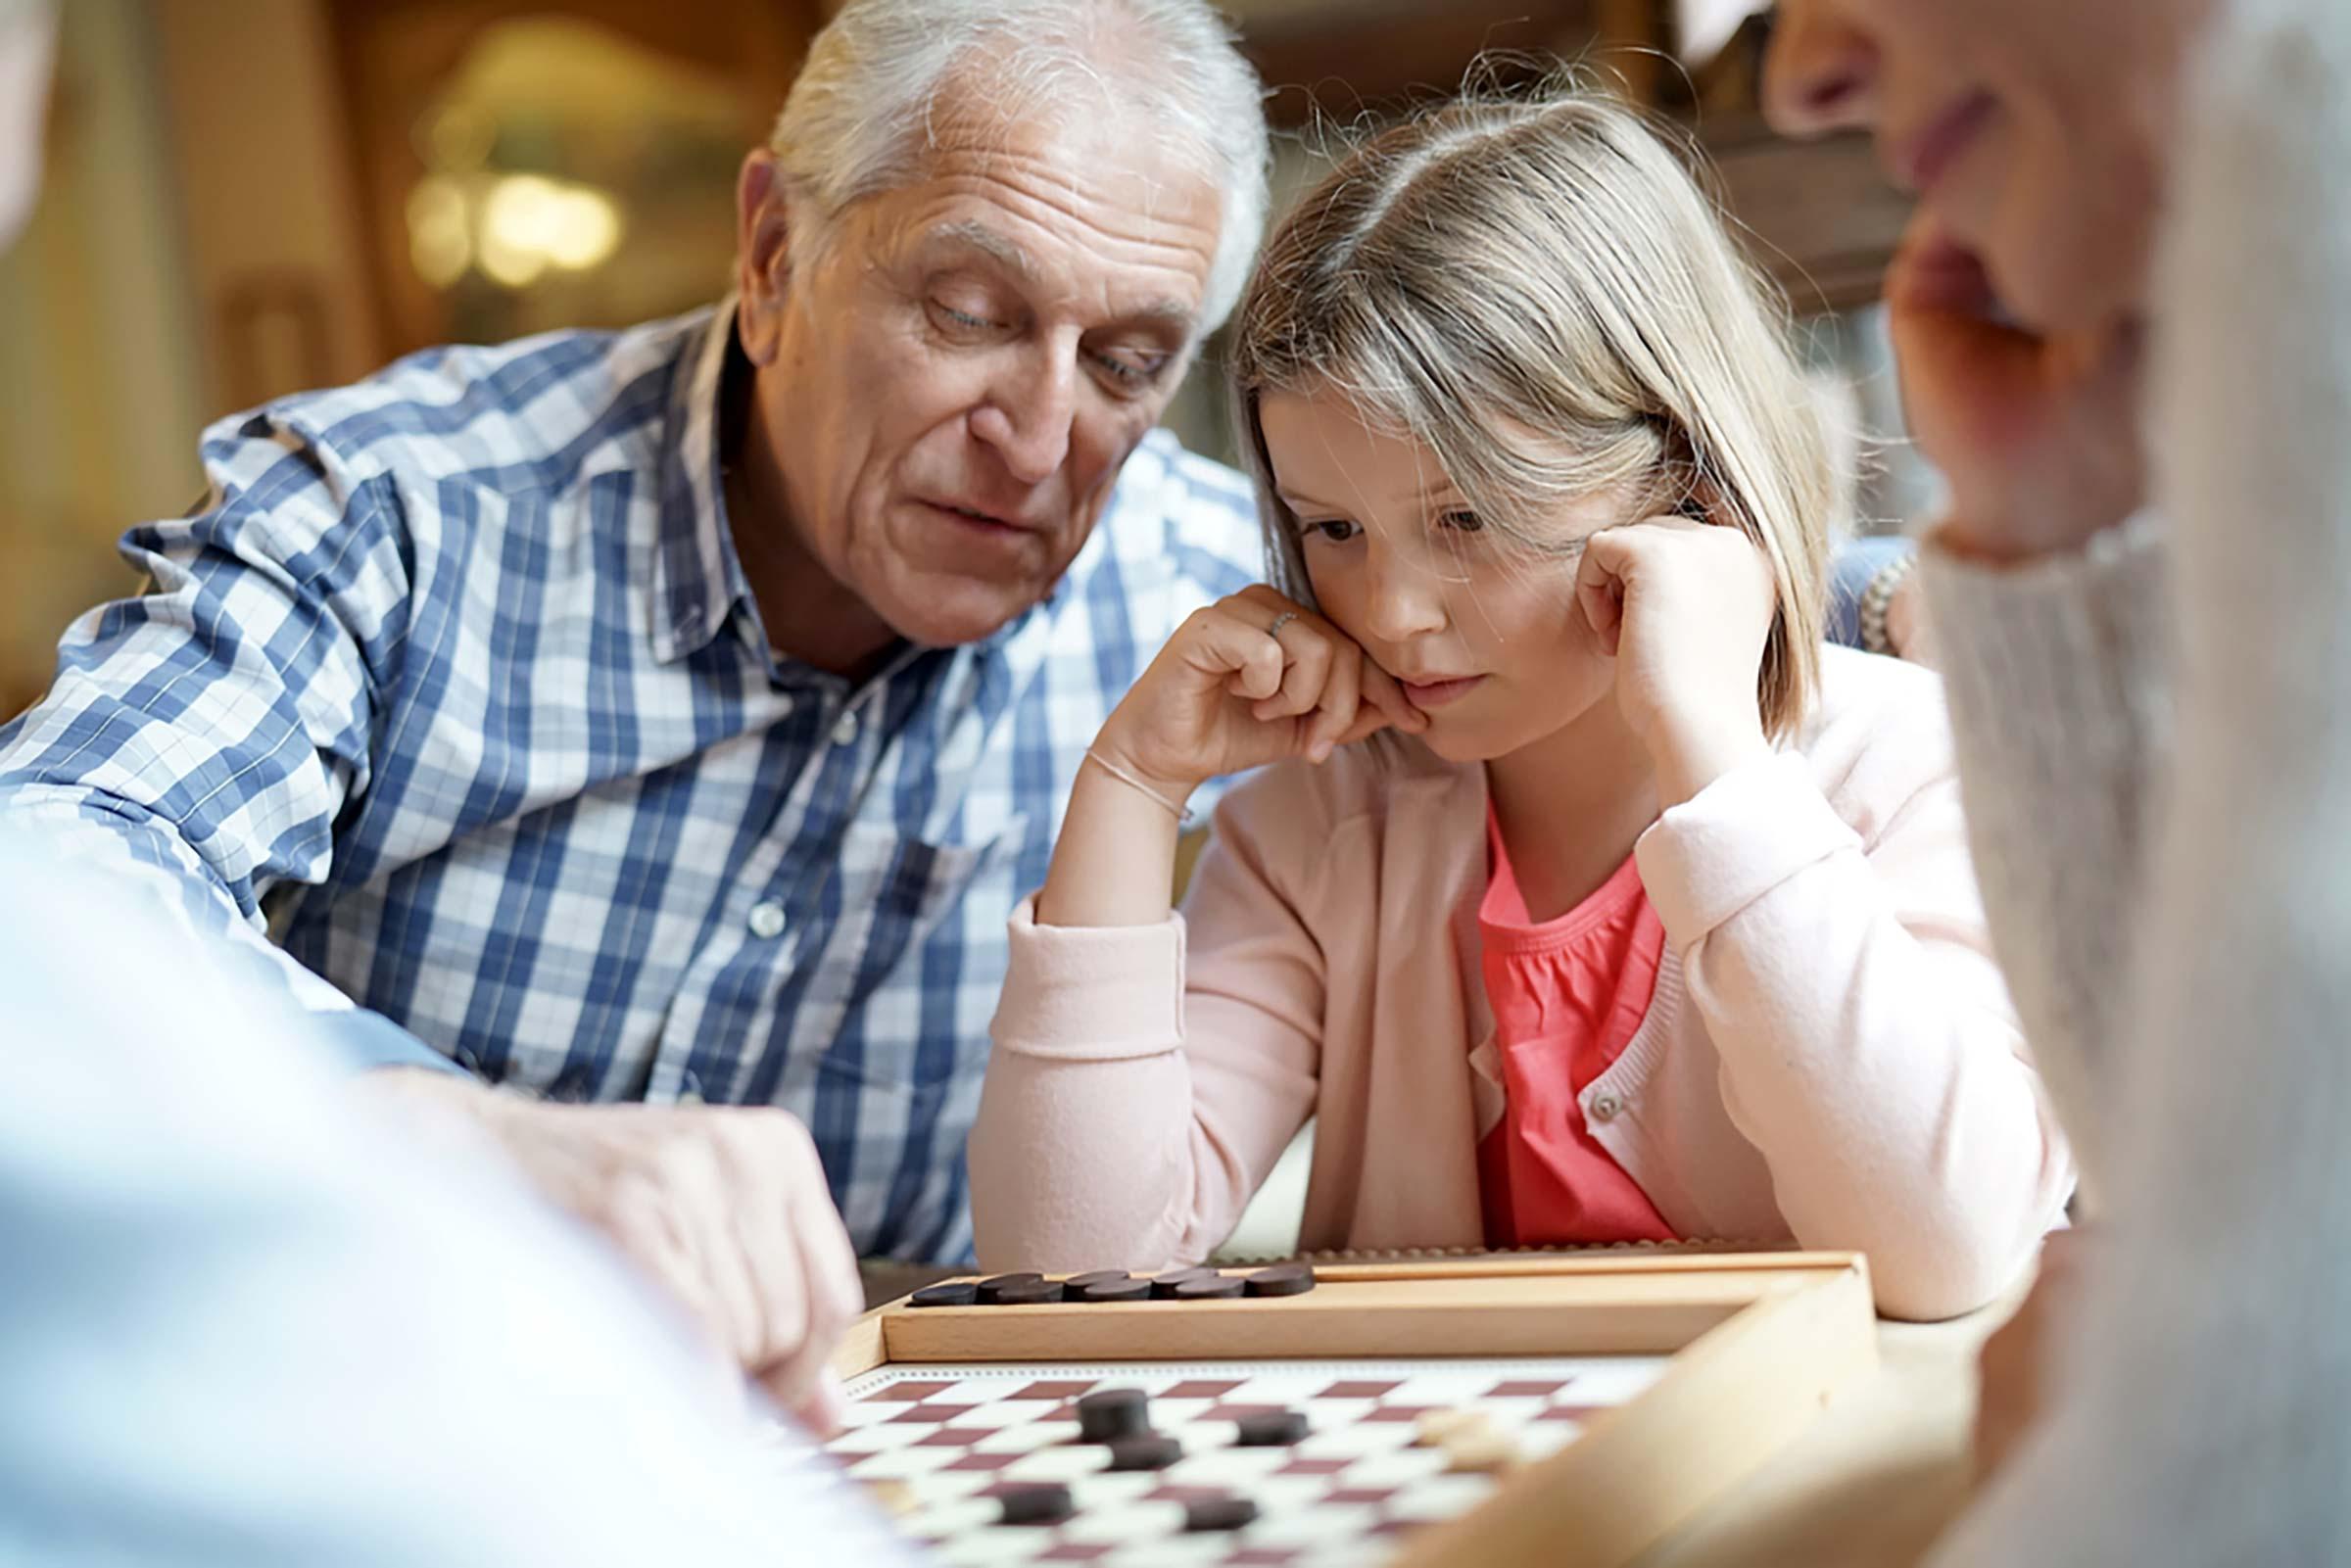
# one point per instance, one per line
(1451, 500)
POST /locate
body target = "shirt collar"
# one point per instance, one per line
(696, 580)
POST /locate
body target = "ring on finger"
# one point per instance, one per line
(1280, 621)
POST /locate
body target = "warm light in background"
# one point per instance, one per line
(516, 227)
(439, 230)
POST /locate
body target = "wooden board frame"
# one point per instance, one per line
(1760, 1343)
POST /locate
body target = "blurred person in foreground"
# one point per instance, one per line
(244, 1325)
(2123, 322)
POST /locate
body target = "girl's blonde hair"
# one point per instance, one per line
(1538, 292)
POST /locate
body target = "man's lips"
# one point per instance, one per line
(981, 516)
(1922, 161)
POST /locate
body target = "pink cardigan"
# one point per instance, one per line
(1831, 1056)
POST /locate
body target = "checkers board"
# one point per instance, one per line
(1624, 1391)
(956, 1438)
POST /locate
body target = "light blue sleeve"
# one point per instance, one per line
(244, 1323)
(204, 736)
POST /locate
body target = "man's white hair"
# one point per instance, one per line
(860, 117)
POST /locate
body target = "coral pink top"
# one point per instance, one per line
(1568, 996)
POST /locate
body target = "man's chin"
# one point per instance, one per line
(958, 614)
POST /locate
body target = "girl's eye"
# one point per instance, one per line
(1337, 529)
(1463, 522)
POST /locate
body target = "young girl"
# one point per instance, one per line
(1647, 915)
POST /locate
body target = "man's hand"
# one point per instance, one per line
(2013, 1362)
(724, 1208)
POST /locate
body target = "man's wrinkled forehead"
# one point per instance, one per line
(1028, 194)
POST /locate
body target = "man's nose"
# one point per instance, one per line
(1028, 415)
(1822, 73)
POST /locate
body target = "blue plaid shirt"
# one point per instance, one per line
(454, 687)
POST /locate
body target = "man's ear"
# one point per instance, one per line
(762, 254)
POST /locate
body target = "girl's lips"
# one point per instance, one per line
(1437, 694)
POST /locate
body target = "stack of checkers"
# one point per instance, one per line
(1104, 1287)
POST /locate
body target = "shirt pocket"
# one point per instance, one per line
(921, 929)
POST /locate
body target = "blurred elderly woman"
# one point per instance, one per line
(2125, 324)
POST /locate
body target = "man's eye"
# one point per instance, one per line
(1131, 371)
(961, 318)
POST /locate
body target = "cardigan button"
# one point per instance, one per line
(1604, 1107)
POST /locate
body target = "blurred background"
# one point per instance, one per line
(246, 197)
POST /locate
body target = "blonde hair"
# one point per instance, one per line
(1539, 292)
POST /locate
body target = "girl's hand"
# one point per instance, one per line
(1225, 696)
(1685, 608)
(2039, 436)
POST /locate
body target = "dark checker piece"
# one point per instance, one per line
(1218, 1513)
(1042, 1505)
(993, 1291)
(1272, 1429)
(1282, 1279)
(1117, 1290)
(951, 1293)
(1164, 1285)
(1208, 1287)
(1074, 1288)
(1024, 1293)
(1145, 1451)
(1111, 1414)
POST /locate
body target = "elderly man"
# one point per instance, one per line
(672, 717)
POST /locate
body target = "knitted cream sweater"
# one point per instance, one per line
(2155, 745)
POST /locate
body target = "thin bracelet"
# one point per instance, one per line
(1182, 814)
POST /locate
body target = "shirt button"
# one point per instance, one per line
(1605, 1107)
(767, 919)
(844, 732)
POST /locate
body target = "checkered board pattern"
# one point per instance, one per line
(947, 1438)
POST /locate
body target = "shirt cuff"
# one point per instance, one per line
(369, 1040)
(1734, 841)
(1091, 993)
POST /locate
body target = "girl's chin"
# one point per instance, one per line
(1465, 743)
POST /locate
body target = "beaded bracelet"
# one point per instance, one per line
(1877, 602)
